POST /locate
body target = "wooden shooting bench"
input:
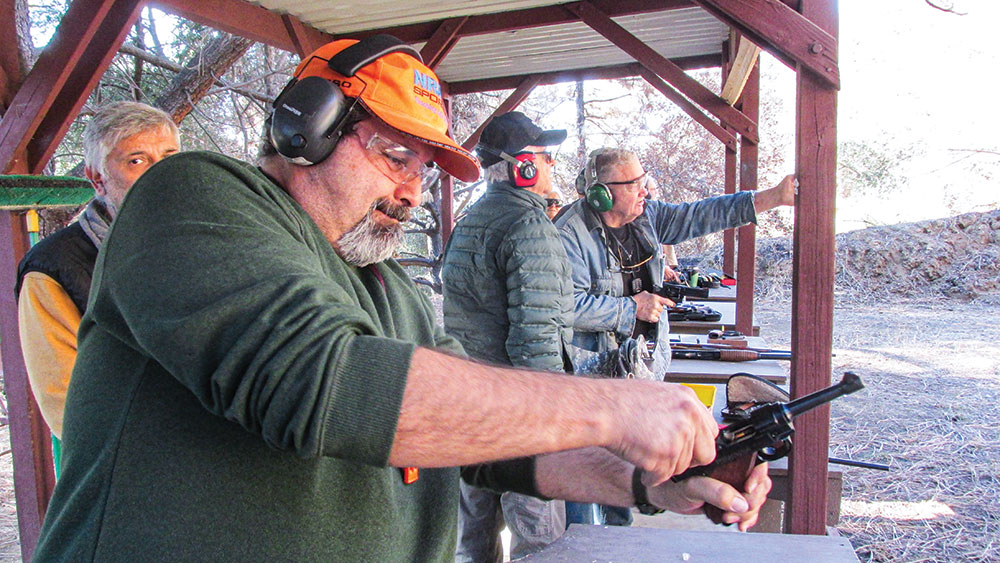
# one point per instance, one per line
(721, 293)
(708, 371)
(640, 545)
(728, 320)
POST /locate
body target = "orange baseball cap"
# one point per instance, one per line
(402, 92)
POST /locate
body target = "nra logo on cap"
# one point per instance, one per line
(426, 87)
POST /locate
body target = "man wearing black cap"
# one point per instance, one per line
(508, 299)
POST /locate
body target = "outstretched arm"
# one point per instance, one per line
(457, 412)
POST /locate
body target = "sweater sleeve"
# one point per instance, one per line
(221, 278)
(535, 266)
(48, 321)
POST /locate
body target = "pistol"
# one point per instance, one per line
(765, 430)
(676, 292)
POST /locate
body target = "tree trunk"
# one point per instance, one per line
(191, 84)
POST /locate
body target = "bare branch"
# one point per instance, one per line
(979, 151)
(950, 8)
(174, 67)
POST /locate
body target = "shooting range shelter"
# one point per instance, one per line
(480, 46)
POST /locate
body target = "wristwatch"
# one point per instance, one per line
(640, 497)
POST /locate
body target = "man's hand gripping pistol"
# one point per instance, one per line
(763, 430)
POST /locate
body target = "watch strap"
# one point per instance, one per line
(640, 497)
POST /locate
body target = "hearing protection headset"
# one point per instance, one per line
(308, 116)
(598, 194)
(520, 167)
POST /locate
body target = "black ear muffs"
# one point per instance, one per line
(524, 174)
(305, 122)
(307, 117)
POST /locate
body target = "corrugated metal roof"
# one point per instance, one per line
(678, 33)
(353, 15)
(685, 32)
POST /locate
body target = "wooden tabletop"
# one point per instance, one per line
(704, 371)
(721, 293)
(728, 320)
(582, 543)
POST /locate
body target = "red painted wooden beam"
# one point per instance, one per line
(812, 281)
(11, 73)
(775, 26)
(729, 183)
(442, 42)
(81, 81)
(525, 19)
(49, 74)
(596, 73)
(302, 36)
(516, 97)
(687, 107)
(662, 66)
(746, 258)
(29, 437)
(246, 20)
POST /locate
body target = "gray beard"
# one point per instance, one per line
(367, 242)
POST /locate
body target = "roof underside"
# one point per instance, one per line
(673, 33)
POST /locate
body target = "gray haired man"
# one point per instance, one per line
(120, 142)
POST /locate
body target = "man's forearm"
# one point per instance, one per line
(458, 412)
(585, 475)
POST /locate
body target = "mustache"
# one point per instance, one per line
(400, 213)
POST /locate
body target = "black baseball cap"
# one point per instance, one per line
(511, 132)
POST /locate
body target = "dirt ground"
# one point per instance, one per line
(932, 370)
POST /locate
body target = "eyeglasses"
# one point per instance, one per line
(552, 202)
(637, 180)
(545, 154)
(396, 162)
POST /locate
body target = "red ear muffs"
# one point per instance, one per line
(525, 174)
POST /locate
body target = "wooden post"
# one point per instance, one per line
(747, 257)
(30, 440)
(447, 190)
(729, 235)
(812, 275)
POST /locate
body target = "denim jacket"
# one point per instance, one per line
(602, 314)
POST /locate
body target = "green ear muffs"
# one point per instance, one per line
(599, 197)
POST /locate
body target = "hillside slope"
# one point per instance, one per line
(955, 257)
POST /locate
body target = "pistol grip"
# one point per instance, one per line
(734, 473)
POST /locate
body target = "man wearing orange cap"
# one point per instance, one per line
(267, 387)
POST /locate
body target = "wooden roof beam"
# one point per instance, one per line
(302, 36)
(513, 100)
(743, 64)
(62, 78)
(524, 19)
(247, 20)
(783, 31)
(11, 73)
(687, 107)
(442, 42)
(663, 68)
(593, 73)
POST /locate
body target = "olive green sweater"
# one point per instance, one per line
(238, 386)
